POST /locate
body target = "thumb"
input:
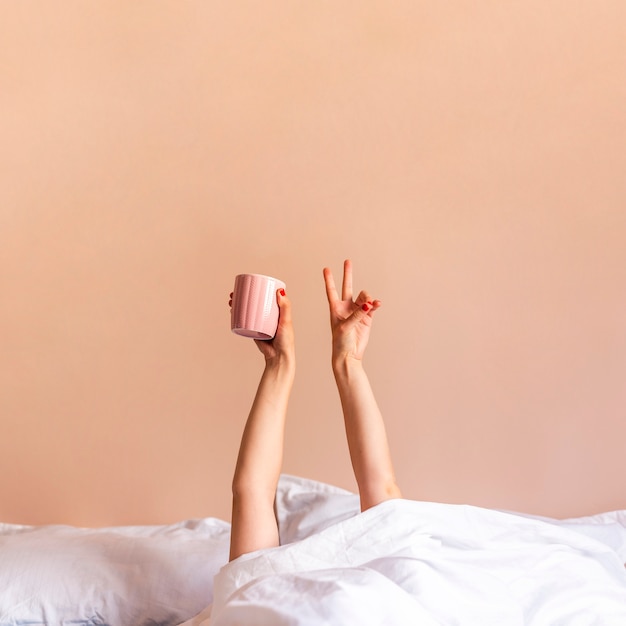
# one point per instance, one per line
(284, 306)
(359, 314)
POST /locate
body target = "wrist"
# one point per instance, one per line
(344, 365)
(281, 363)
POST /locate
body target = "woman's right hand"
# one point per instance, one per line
(282, 346)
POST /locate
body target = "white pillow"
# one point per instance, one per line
(118, 576)
(304, 507)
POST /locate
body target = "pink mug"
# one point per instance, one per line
(254, 310)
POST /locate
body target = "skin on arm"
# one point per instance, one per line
(260, 457)
(351, 322)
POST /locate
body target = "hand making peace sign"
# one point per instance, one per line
(350, 320)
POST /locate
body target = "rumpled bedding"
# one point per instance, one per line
(407, 562)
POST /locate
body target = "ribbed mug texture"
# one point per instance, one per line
(254, 309)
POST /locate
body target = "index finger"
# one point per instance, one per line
(331, 289)
(346, 287)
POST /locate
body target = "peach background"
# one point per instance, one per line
(469, 157)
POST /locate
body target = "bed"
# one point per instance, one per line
(402, 562)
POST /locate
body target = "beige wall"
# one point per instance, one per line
(469, 157)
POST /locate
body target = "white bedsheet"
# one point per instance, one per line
(406, 562)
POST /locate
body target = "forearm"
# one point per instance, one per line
(366, 433)
(260, 454)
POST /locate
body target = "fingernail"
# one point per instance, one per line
(282, 292)
(366, 307)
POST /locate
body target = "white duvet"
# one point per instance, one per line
(401, 562)
(407, 562)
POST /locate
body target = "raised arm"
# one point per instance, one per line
(260, 457)
(351, 322)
